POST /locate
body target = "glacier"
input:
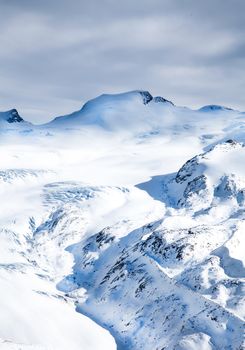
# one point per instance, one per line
(122, 227)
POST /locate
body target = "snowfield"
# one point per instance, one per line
(122, 227)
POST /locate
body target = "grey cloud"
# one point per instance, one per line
(54, 55)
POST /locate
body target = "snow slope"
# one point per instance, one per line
(122, 225)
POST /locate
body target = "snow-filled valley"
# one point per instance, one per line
(122, 227)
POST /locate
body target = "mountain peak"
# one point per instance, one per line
(122, 97)
(214, 108)
(11, 116)
(146, 96)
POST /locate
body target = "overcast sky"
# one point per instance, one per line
(56, 54)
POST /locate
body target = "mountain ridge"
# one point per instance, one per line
(145, 95)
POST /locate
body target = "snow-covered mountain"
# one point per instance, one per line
(11, 116)
(122, 226)
(115, 111)
(11, 120)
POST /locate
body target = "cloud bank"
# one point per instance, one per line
(55, 55)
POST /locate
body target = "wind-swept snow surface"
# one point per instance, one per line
(122, 226)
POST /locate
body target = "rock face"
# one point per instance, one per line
(146, 96)
(159, 99)
(14, 117)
